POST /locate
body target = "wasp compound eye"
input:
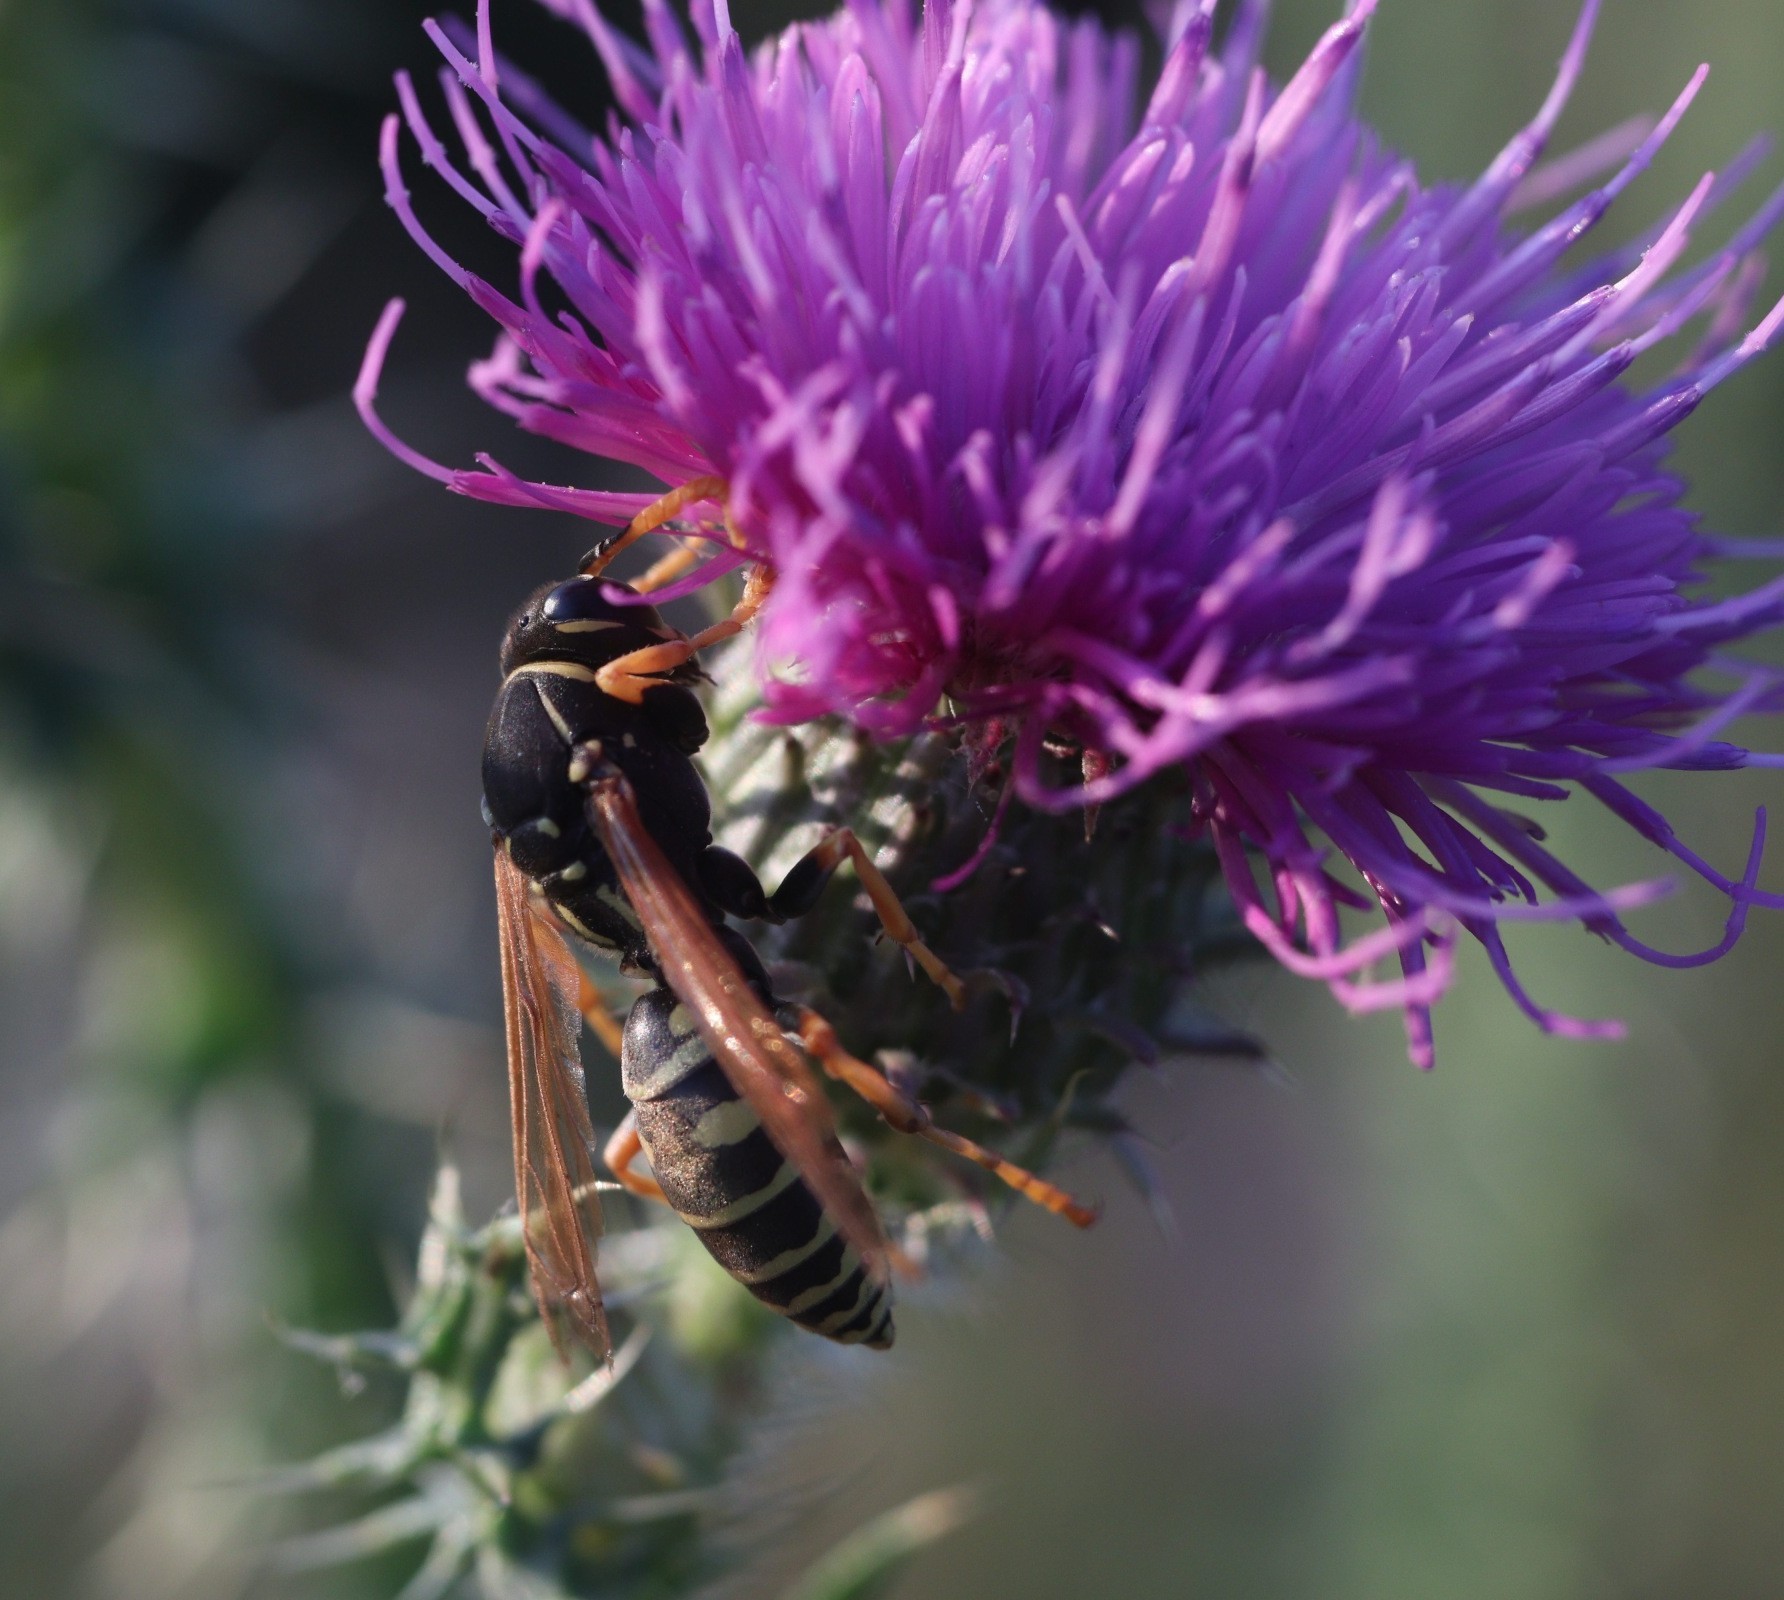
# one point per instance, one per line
(582, 600)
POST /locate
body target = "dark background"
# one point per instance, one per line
(1508, 1330)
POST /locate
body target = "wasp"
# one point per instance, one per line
(602, 832)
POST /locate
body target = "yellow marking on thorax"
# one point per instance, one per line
(576, 925)
(615, 901)
(557, 717)
(555, 669)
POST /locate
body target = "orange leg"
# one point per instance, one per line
(601, 1021)
(653, 516)
(668, 569)
(890, 909)
(622, 1150)
(632, 676)
(906, 1115)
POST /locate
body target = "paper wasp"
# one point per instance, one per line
(602, 829)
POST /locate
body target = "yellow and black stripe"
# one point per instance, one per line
(728, 1182)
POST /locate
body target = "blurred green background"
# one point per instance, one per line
(1511, 1330)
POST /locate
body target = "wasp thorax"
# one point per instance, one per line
(577, 620)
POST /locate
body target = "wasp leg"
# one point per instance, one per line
(652, 517)
(622, 1150)
(601, 1022)
(907, 1115)
(734, 887)
(800, 888)
(731, 884)
(631, 676)
(666, 570)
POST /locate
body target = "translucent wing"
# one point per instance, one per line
(746, 1041)
(560, 1213)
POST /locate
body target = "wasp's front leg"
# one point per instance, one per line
(667, 569)
(660, 511)
(632, 676)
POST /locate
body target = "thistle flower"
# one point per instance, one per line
(1178, 430)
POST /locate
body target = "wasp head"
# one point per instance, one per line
(577, 621)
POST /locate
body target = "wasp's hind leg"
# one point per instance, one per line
(625, 1145)
(908, 1115)
(621, 1151)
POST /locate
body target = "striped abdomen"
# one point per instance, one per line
(728, 1182)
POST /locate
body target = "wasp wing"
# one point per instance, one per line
(560, 1213)
(746, 1041)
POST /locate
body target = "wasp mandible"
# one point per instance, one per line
(602, 831)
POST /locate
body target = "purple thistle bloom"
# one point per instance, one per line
(1190, 428)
